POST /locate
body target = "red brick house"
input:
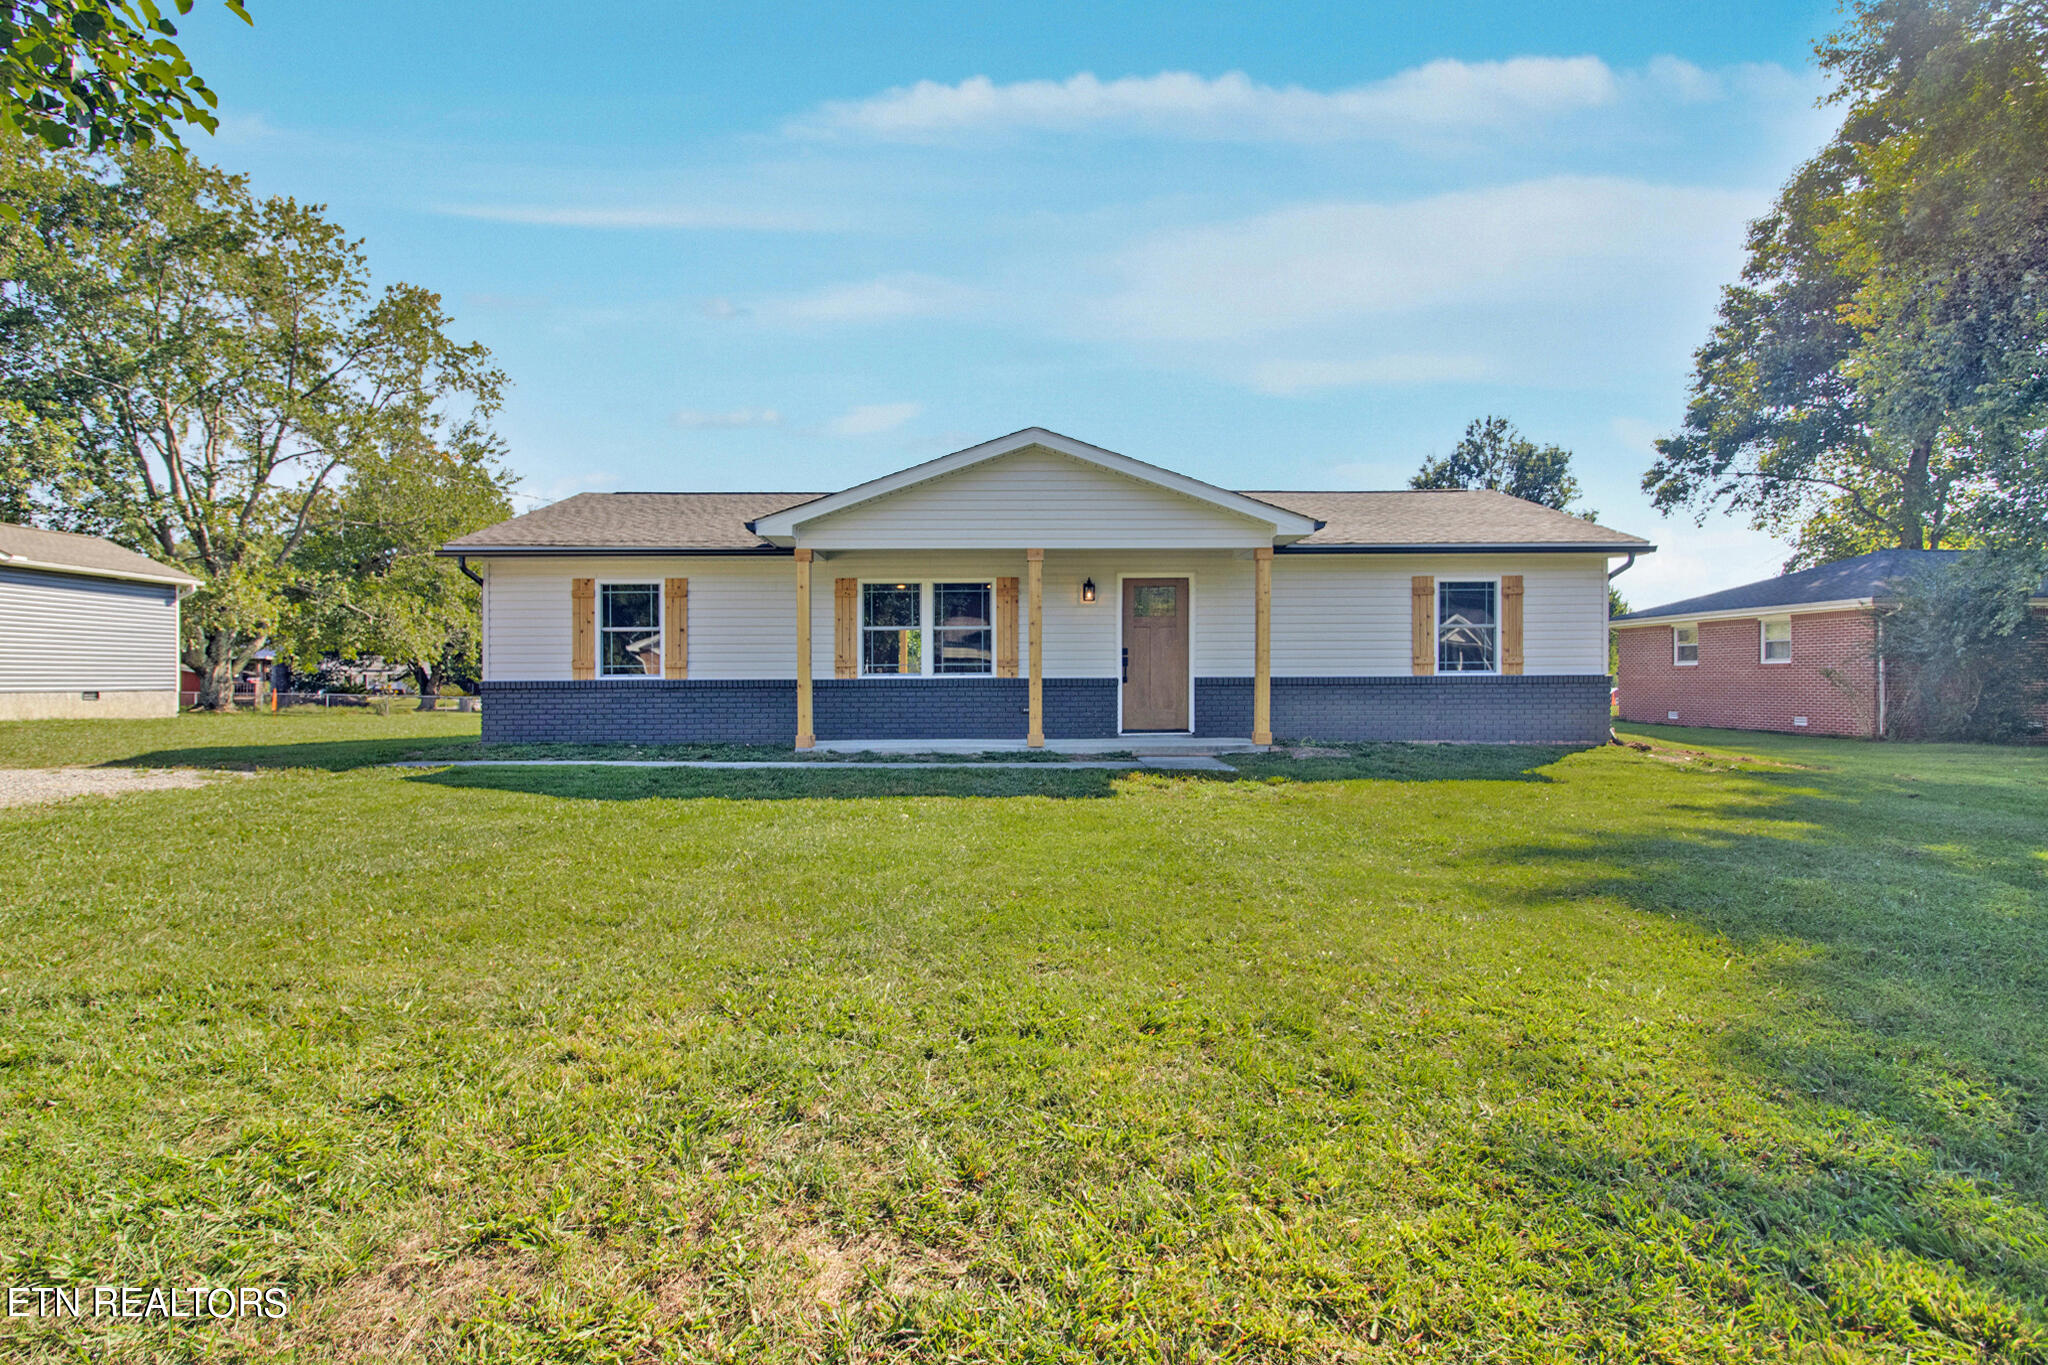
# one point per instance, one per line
(1797, 652)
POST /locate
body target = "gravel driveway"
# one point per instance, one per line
(33, 786)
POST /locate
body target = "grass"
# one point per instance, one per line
(1730, 1049)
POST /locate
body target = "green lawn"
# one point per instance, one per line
(1735, 1049)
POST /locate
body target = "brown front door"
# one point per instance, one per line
(1155, 654)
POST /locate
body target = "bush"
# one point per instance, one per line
(1963, 655)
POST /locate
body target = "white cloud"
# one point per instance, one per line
(721, 308)
(1567, 240)
(641, 217)
(1443, 96)
(693, 419)
(871, 419)
(876, 300)
(1303, 376)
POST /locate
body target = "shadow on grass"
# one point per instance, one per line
(825, 782)
(1901, 930)
(334, 756)
(1411, 763)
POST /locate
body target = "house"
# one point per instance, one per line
(1795, 652)
(86, 627)
(1038, 589)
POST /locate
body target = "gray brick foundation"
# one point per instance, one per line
(641, 711)
(763, 711)
(1556, 710)
(1524, 709)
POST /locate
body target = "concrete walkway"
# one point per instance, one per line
(1166, 762)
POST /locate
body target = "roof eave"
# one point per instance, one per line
(1472, 548)
(456, 551)
(1657, 616)
(173, 579)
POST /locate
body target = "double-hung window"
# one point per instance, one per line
(1468, 627)
(629, 630)
(1685, 645)
(1777, 640)
(927, 628)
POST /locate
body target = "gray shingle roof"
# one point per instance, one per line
(81, 554)
(636, 521)
(1872, 576)
(1446, 517)
(718, 521)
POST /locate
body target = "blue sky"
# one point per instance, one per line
(794, 247)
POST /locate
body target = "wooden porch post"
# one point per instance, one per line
(1262, 646)
(1034, 570)
(804, 736)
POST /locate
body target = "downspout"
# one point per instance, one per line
(462, 563)
(1877, 626)
(1626, 565)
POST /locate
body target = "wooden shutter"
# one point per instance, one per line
(1511, 623)
(846, 627)
(583, 628)
(675, 628)
(1006, 627)
(1422, 623)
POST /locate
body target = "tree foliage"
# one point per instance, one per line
(100, 72)
(1879, 375)
(1963, 654)
(1493, 454)
(368, 580)
(193, 372)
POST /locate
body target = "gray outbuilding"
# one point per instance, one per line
(86, 627)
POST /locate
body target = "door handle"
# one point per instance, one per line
(1127, 663)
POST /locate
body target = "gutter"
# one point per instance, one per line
(1665, 618)
(459, 552)
(1455, 548)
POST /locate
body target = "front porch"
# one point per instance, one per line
(1099, 651)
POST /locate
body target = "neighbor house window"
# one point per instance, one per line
(1685, 645)
(1778, 641)
(1467, 627)
(629, 630)
(898, 619)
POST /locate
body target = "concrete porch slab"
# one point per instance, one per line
(1141, 745)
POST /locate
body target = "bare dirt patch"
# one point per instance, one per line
(38, 786)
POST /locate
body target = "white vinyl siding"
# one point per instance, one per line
(1333, 615)
(64, 633)
(742, 621)
(1348, 615)
(1035, 497)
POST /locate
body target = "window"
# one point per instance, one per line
(629, 630)
(1467, 627)
(1685, 645)
(963, 628)
(891, 637)
(1778, 641)
(897, 619)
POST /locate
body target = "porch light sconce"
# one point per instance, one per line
(1087, 590)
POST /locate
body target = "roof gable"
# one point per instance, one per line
(785, 527)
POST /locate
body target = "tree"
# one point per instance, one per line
(102, 71)
(1879, 375)
(369, 582)
(1493, 454)
(200, 369)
